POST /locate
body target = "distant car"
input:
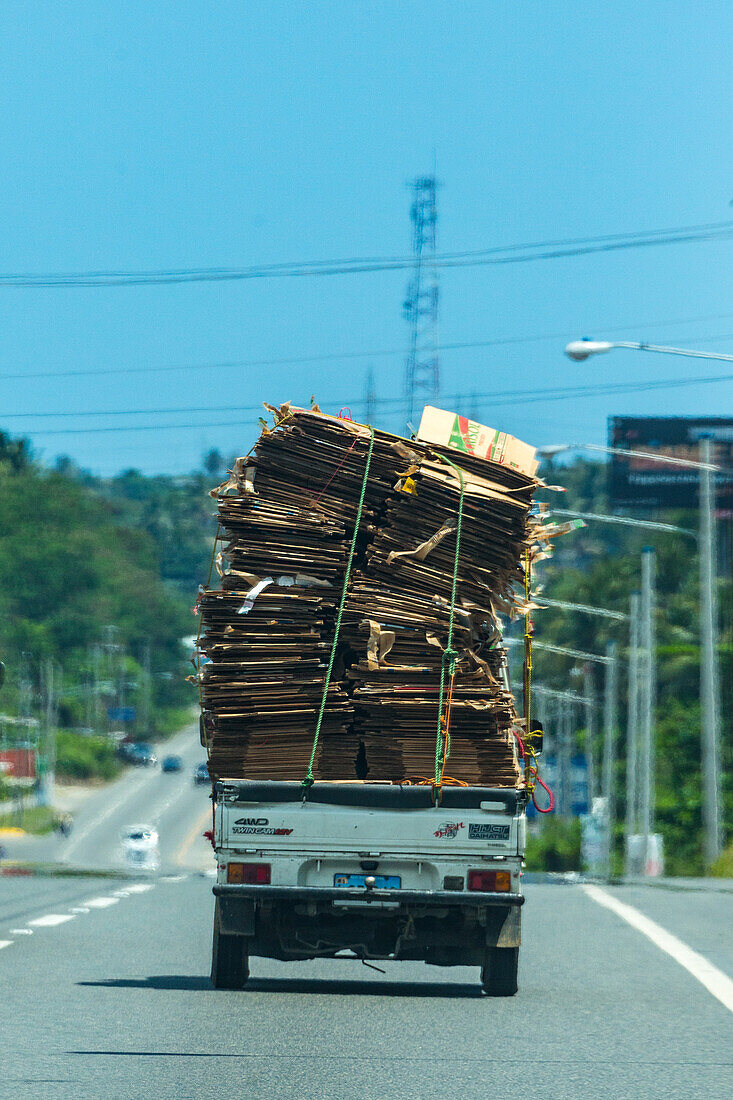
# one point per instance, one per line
(142, 754)
(201, 774)
(171, 764)
(140, 848)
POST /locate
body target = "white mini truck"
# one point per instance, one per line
(368, 871)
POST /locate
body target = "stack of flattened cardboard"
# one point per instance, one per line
(288, 514)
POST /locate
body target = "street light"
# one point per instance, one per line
(668, 460)
(579, 350)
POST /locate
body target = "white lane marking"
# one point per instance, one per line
(140, 887)
(5, 943)
(79, 909)
(21, 931)
(101, 903)
(173, 878)
(51, 919)
(165, 806)
(714, 980)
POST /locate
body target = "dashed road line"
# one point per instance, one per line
(714, 980)
(51, 919)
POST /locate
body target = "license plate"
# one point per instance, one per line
(381, 882)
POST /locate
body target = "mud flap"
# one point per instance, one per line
(237, 916)
(510, 931)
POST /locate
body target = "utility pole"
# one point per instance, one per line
(145, 696)
(648, 697)
(632, 731)
(709, 687)
(89, 703)
(96, 660)
(590, 731)
(609, 744)
(422, 370)
(564, 753)
(50, 718)
(25, 687)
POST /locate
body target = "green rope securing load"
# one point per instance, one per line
(309, 780)
(442, 737)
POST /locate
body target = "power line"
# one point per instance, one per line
(394, 404)
(506, 254)
(380, 353)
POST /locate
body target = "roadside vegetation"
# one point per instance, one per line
(600, 566)
(556, 847)
(31, 819)
(97, 581)
(723, 867)
(83, 758)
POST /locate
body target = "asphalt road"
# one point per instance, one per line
(106, 993)
(169, 802)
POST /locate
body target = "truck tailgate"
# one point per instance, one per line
(257, 815)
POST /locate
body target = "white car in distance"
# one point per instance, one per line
(140, 848)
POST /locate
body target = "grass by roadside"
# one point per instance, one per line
(173, 721)
(723, 867)
(555, 848)
(33, 819)
(79, 757)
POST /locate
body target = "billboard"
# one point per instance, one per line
(18, 763)
(641, 482)
(121, 714)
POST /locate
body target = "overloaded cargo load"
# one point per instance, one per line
(333, 532)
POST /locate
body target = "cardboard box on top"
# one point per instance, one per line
(451, 430)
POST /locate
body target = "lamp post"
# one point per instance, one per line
(632, 731)
(647, 699)
(709, 686)
(579, 351)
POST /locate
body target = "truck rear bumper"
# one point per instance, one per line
(430, 898)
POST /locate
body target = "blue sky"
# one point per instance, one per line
(178, 135)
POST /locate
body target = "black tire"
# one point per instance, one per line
(499, 972)
(229, 959)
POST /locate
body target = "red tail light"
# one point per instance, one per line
(249, 874)
(488, 882)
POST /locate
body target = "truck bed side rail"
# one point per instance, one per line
(384, 796)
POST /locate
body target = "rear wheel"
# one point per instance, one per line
(499, 972)
(229, 958)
